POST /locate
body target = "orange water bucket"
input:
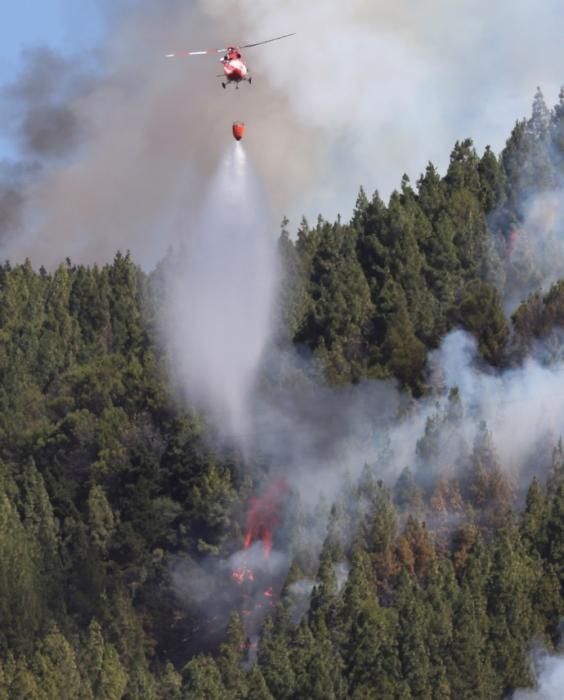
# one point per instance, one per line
(238, 130)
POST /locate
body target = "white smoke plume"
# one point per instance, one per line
(298, 594)
(550, 679)
(365, 91)
(522, 407)
(254, 558)
(322, 437)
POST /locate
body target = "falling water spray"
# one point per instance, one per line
(222, 293)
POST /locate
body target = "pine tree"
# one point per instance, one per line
(440, 596)
(469, 672)
(55, 667)
(339, 317)
(24, 683)
(21, 605)
(540, 118)
(407, 494)
(431, 193)
(325, 602)
(201, 679)
(107, 677)
(274, 662)
(124, 282)
(492, 181)
(313, 660)
(526, 157)
(463, 170)
(170, 683)
(361, 210)
(258, 690)
(102, 521)
(294, 298)
(481, 312)
(510, 612)
(557, 131)
(372, 661)
(412, 644)
(408, 228)
(533, 524)
(381, 537)
(416, 550)
(232, 654)
(404, 352)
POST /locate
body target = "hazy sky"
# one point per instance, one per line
(64, 25)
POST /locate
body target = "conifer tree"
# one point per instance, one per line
(274, 662)
(258, 690)
(339, 318)
(480, 312)
(232, 654)
(55, 667)
(557, 131)
(202, 679)
(412, 643)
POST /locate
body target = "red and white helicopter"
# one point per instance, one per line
(234, 68)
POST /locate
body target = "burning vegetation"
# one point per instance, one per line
(253, 571)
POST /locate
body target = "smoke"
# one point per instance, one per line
(550, 679)
(255, 558)
(522, 407)
(38, 106)
(322, 437)
(537, 247)
(128, 140)
(297, 596)
(221, 292)
(247, 581)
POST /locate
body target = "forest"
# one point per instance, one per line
(438, 584)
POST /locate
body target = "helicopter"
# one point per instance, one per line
(234, 67)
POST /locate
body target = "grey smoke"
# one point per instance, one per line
(321, 437)
(522, 407)
(301, 588)
(39, 103)
(550, 679)
(210, 589)
(539, 246)
(254, 558)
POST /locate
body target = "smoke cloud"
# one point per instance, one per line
(550, 679)
(537, 247)
(522, 407)
(324, 436)
(363, 92)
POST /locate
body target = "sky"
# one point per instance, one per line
(29, 22)
(118, 151)
(60, 23)
(65, 25)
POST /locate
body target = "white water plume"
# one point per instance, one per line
(221, 294)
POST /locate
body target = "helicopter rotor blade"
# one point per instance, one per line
(184, 54)
(258, 43)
